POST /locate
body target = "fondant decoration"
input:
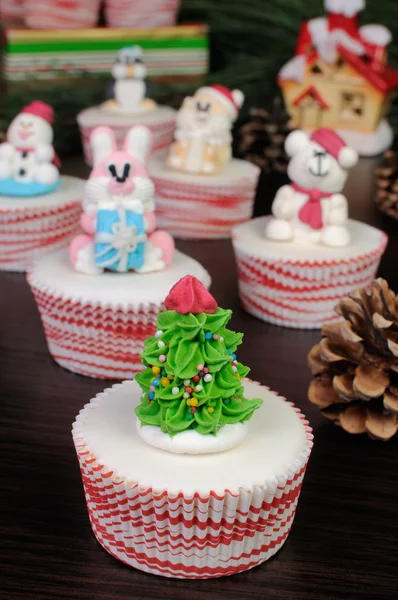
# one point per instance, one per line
(203, 131)
(191, 383)
(28, 163)
(191, 517)
(118, 207)
(129, 73)
(311, 208)
(340, 77)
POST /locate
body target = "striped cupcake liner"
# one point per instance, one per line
(142, 14)
(203, 211)
(27, 234)
(61, 14)
(198, 536)
(162, 131)
(301, 294)
(96, 339)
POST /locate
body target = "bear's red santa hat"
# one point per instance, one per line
(232, 99)
(328, 139)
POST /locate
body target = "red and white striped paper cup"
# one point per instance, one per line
(61, 14)
(200, 207)
(33, 227)
(161, 122)
(96, 325)
(12, 12)
(177, 530)
(298, 286)
(141, 14)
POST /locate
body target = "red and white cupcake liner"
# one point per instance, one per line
(27, 234)
(12, 12)
(199, 536)
(97, 338)
(205, 210)
(61, 14)
(162, 132)
(298, 293)
(141, 14)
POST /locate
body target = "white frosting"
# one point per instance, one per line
(369, 144)
(250, 238)
(192, 442)
(276, 440)
(91, 117)
(56, 274)
(71, 188)
(236, 170)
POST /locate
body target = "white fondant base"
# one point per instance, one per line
(369, 144)
(191, 442)
(191, 516)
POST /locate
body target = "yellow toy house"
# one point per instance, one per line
(339, 77)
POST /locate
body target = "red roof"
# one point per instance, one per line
(384, 78)
(311, 91)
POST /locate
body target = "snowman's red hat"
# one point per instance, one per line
(40, 109)
(232, 99)
(335, 146)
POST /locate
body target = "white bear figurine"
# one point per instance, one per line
(28, 155)
(312, 208)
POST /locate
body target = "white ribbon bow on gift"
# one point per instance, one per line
(123, 238)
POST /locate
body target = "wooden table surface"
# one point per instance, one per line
(343, 544)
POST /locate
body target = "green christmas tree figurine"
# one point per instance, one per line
(192, 381)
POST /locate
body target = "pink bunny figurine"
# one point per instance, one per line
(118, 209)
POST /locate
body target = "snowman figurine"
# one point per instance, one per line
(129, 74)
(28, 163)
(312, 208)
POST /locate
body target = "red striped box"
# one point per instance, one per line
(292, 290)
(186, 533)
(142, 14)
(195, 207)
(33, 227)
(96, 325)
(161, 122)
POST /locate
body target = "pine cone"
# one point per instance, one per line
(355, 366)
(262, 137)
(387, 185)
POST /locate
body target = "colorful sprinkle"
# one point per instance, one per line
(210, 409)
(221, 339)
(164, 374)
(171, 377)
(208, 377)
(151, 388)
(175, 390)
(187, 381)
(229, 352)
(188, 389)
(158, 333)
(151, 395)
(200, 367)
(155, 370)
(186, 395)
(162, 358)
(227, 400)
(215, 336)
(208, 335)
(161, 344)
(188, 416)
(156, 382)
(192, 409)
(194, 401)
(198, 388)
(196, 378)
(234, 368)
(234, 357)
(164, 381)
(205, 370)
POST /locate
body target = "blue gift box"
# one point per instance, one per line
(120, 239)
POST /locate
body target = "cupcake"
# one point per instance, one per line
(294, 266)
(130, 106)
(141, 14)
(99, 303)
(61, 14)
(221, 458)
(201, 193)
(39, 209)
